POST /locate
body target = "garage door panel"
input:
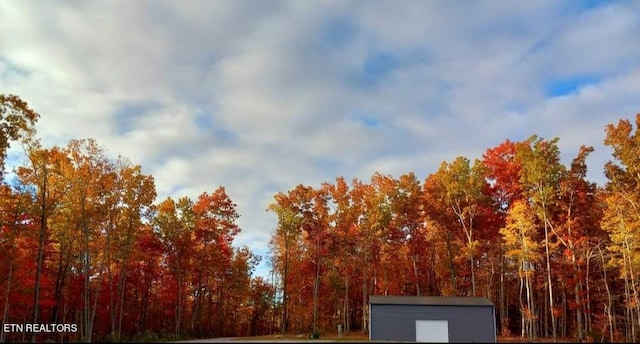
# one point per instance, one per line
(432, 331)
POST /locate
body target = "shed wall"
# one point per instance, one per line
(466, 323)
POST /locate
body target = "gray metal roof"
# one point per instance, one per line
(430, 300)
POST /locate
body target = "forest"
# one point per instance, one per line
(84, 241)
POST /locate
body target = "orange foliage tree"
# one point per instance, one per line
(83, 240)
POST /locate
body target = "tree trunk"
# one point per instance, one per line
(473, 274)
(365, 296)
(635, 311)
(578, 299)
(5, 312)
(316, 286)
(40, 257)
(530, 303)
(415, 273)
(86, 264)
(452, 270)
(122, 280)
(112, 303)
(609, 304)
(563, 320)
(95, 308)
(504, 327)
(63, 265)
(285, 314)
(630, 327)
(587, 296)
(145, 305)
(549, 282)
(122, 284)
(178, 298)
(345, 313)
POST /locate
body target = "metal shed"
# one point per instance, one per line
(432, 319)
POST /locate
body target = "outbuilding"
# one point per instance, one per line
(432, 319)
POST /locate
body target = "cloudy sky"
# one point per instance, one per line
(259, 96)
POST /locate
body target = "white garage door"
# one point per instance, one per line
(432, 331)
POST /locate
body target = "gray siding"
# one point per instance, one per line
(466, 323)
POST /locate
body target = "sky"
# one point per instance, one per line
(259, 96)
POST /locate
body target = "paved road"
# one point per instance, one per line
(239, 339)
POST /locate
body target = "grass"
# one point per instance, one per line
(364, 337)
(353, 336)
(518, 339)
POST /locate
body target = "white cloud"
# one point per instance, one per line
(260, 96)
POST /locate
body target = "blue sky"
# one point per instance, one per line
(260, 96)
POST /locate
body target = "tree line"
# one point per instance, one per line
(84, 240)
(558, 255)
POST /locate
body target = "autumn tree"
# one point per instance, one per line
(388, 247)
(17, 122)
(503, 173)
(343, 219)
(315, 225)
(541, 175)
(622, 213)
(261, 303)
(146, 268)
(441, 222)
(375, 214)
(287, 235)
(463, 185)
(520, 240)
(14, 228)
(47, 175)
(126, 205)
(175, 230)
(407, 209)
(89, 178)
(81, 240)
(241, 308)
(576, 231)
(215, 228)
